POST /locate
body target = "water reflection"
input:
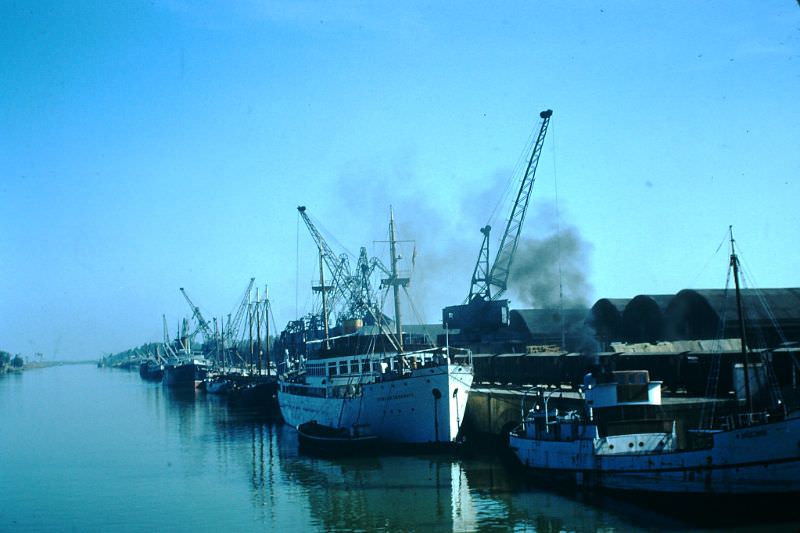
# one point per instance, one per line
(184, 461)
(376, 493)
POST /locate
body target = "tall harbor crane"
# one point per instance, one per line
(338, 266)
(233, 324)
(202, 324)
(483, 308)
(167, 342)
(350, 290)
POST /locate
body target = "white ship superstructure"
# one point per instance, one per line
(367, 395)
(374, 385)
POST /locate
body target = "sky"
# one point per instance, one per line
(148, 146)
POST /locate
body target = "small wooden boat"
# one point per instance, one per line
(334, 441)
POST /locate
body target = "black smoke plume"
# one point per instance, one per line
(554, 261)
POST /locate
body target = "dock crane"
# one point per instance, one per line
(233, 324)
(350, 290)
(202, 324)
(483, 309)
(338, 266)
(167, 343)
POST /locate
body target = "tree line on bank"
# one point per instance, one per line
(10, 362)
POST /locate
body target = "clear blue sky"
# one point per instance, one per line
(147, 146)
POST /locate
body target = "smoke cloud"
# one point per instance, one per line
(436, 254)
(556, 261)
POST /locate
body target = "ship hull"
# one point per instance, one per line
(424, 407)
(762, 459)
(151, 371)
(186, 375)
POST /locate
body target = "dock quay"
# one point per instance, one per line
(507, 385)
(682, 367)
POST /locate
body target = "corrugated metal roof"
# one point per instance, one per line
(784, 304)
(615, 303)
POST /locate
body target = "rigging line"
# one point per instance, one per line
(749, 281)
(725, 239)
(773, 387)
(772, 380)
(418, 317)
(330, 237)
(517, 173)
(712, 384)
(384, 328)
(558, 243)
(297, 269)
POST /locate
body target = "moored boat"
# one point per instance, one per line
(218, 385)
(151, 370)
(376, 385)
(749, 455)
(423, 403)
(185, 372)
(258, 392)
(325, 440)
(752, 452)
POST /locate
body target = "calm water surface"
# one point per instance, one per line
(88, 449)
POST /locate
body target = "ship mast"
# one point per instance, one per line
(398, 327)
(266, 327)
(742, 331)
(258, 332)
(395, 281)
(324, 290)
(250, 334)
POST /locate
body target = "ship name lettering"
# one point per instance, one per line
(395, 397)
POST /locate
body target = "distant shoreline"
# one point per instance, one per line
(47, 364)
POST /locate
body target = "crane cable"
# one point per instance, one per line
(517, 172)
(558, 243)
(297, 269)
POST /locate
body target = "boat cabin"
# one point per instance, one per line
(627, 387)
(610, 437)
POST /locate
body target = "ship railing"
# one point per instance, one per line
(740, 420)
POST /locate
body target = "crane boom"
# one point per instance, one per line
(483, 309)
(202, 324)
(338, 266)
(498, 276)
(232, 330)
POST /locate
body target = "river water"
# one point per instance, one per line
(90, 449)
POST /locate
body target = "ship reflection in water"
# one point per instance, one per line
(131, 456)
(419, 493)
(434, 492)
